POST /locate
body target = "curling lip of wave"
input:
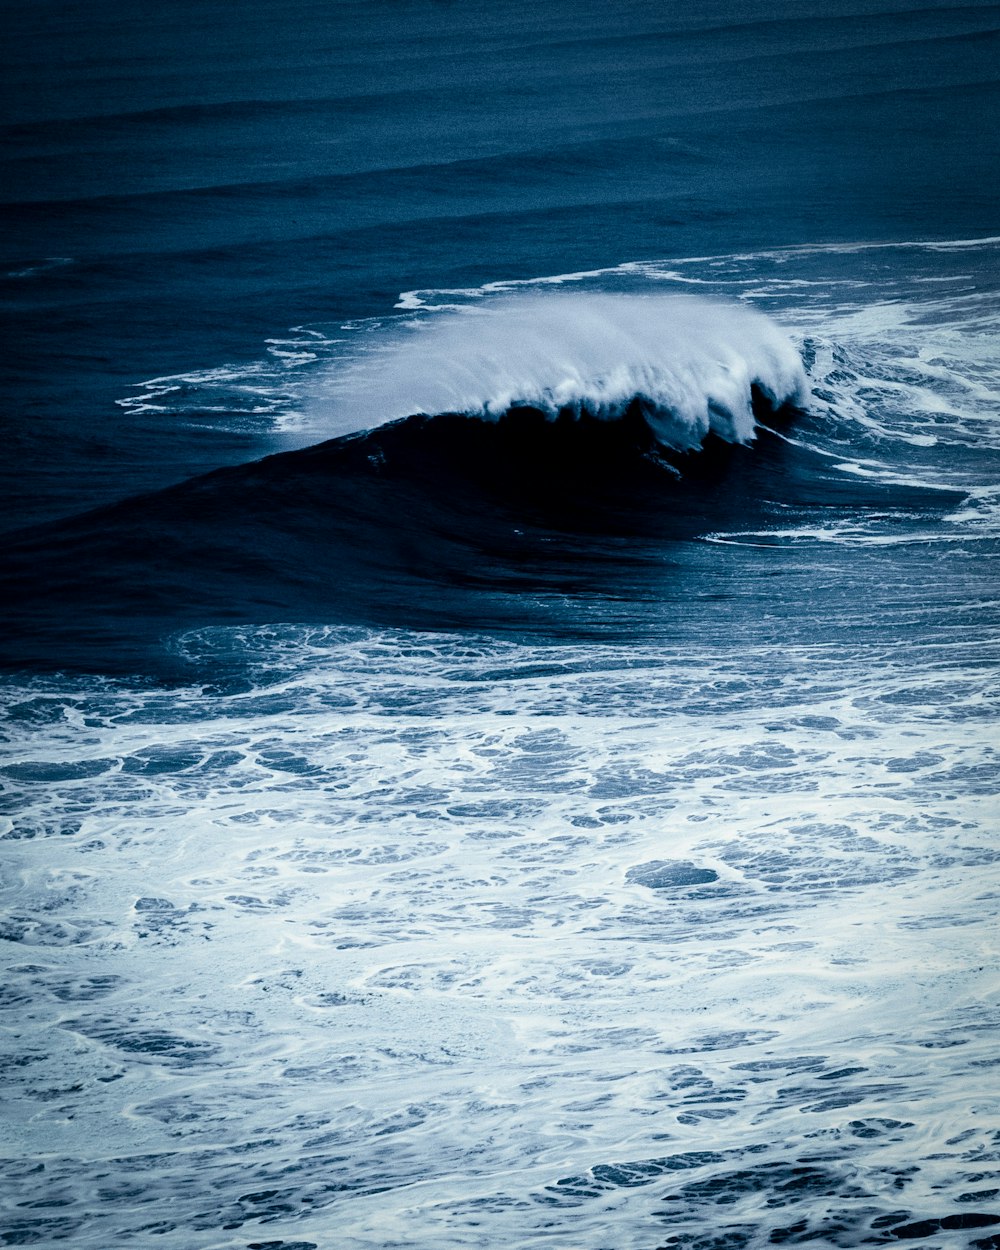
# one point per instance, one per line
(692, 364)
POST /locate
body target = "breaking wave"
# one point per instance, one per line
(692, 364)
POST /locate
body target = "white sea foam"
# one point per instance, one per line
(373, 954)
(714, 267)
(692, 361)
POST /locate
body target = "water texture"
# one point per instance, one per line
(498, 665)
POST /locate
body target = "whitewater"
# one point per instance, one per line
(689, 361)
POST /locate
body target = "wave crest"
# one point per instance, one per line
(691, 363)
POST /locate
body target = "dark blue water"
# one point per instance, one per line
(500, 515)
(179, 186)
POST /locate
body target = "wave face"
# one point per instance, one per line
(490, 462)
(437, 522)
(691, 364)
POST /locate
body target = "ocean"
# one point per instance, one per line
(500, 518)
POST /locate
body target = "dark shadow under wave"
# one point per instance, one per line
(545, 527)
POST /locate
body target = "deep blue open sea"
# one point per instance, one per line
(499, 659)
